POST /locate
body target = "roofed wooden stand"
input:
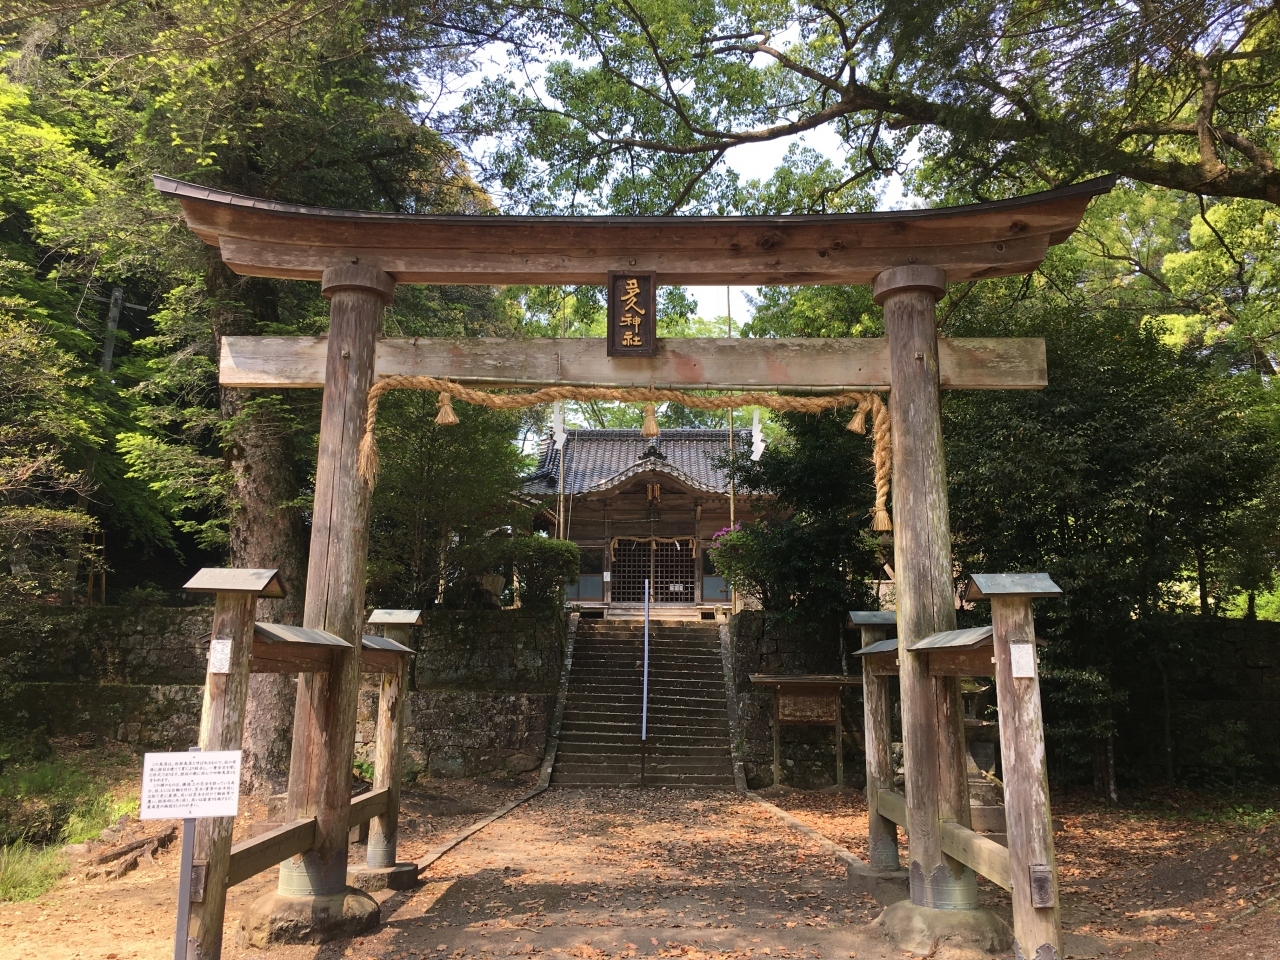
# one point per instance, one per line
(237, 647)
(909, 256)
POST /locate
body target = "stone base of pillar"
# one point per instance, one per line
(883, 886)
(926, 932)
(275, 918)
(402, 876)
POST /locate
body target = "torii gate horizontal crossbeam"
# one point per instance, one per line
(264, 238)
(792, 365)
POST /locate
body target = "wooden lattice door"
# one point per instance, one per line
(668, 566)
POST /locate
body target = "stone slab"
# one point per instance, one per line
(403, 876)
(926, 932)
(883, 886)
(275, 919)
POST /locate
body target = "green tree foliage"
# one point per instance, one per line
(442, 493)
(811, 557)
(633, 103)
(311, 102)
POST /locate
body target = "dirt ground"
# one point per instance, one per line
(1167, 882)
(668, 873)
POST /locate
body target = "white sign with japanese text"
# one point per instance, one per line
(176, 786)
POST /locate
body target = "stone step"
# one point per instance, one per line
(688, 721)
(694, 712)
(597, 743)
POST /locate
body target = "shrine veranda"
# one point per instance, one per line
(908, 257)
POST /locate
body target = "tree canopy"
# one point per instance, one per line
(632, 105)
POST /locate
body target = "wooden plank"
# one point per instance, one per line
(381, 661)
(981, 854)
(882, 664)
(739, 363)
(961, 663)
(251, 857)
(265, 238)
(785, 265)
(290, 658)
(894, 806)
(369, 805)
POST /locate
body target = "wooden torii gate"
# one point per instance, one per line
(908, 256)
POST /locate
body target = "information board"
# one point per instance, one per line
(1022, 658)
(176, 786)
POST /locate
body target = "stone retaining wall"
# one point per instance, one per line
(482, 691)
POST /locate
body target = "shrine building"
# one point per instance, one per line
(642, 509)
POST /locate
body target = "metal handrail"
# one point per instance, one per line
(644, 696)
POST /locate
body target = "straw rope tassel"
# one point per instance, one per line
(650, 429)
(446, 417)
(865, 402)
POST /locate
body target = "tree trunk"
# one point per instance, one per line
(1168, 723)
(266, 531)
(1202, 578)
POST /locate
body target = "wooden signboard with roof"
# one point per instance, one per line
(806, 700)
(909, 257)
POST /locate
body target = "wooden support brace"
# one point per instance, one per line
(388, 761)
(1037, 923)
(250, 857)
(369, 805)
(882, 834)
(221, 728)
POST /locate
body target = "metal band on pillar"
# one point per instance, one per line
(933, 732)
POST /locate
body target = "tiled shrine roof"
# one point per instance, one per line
(598, 460)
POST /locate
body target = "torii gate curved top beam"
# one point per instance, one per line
(264, 238)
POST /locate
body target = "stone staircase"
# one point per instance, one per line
(688, 742)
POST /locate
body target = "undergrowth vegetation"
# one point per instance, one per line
(47, 803)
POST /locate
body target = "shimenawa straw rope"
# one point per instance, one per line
(864, 403)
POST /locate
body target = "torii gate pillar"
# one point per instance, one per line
(314, 901)
(933, 721)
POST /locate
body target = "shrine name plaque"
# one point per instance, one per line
(633, 315)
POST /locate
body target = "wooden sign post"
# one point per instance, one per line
(882, 833)
(1037, 921)
(390, 655)
(226, 689)
(806, 700)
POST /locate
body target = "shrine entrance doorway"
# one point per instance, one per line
(667, 564)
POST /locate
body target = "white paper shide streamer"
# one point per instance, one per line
(757, 437)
